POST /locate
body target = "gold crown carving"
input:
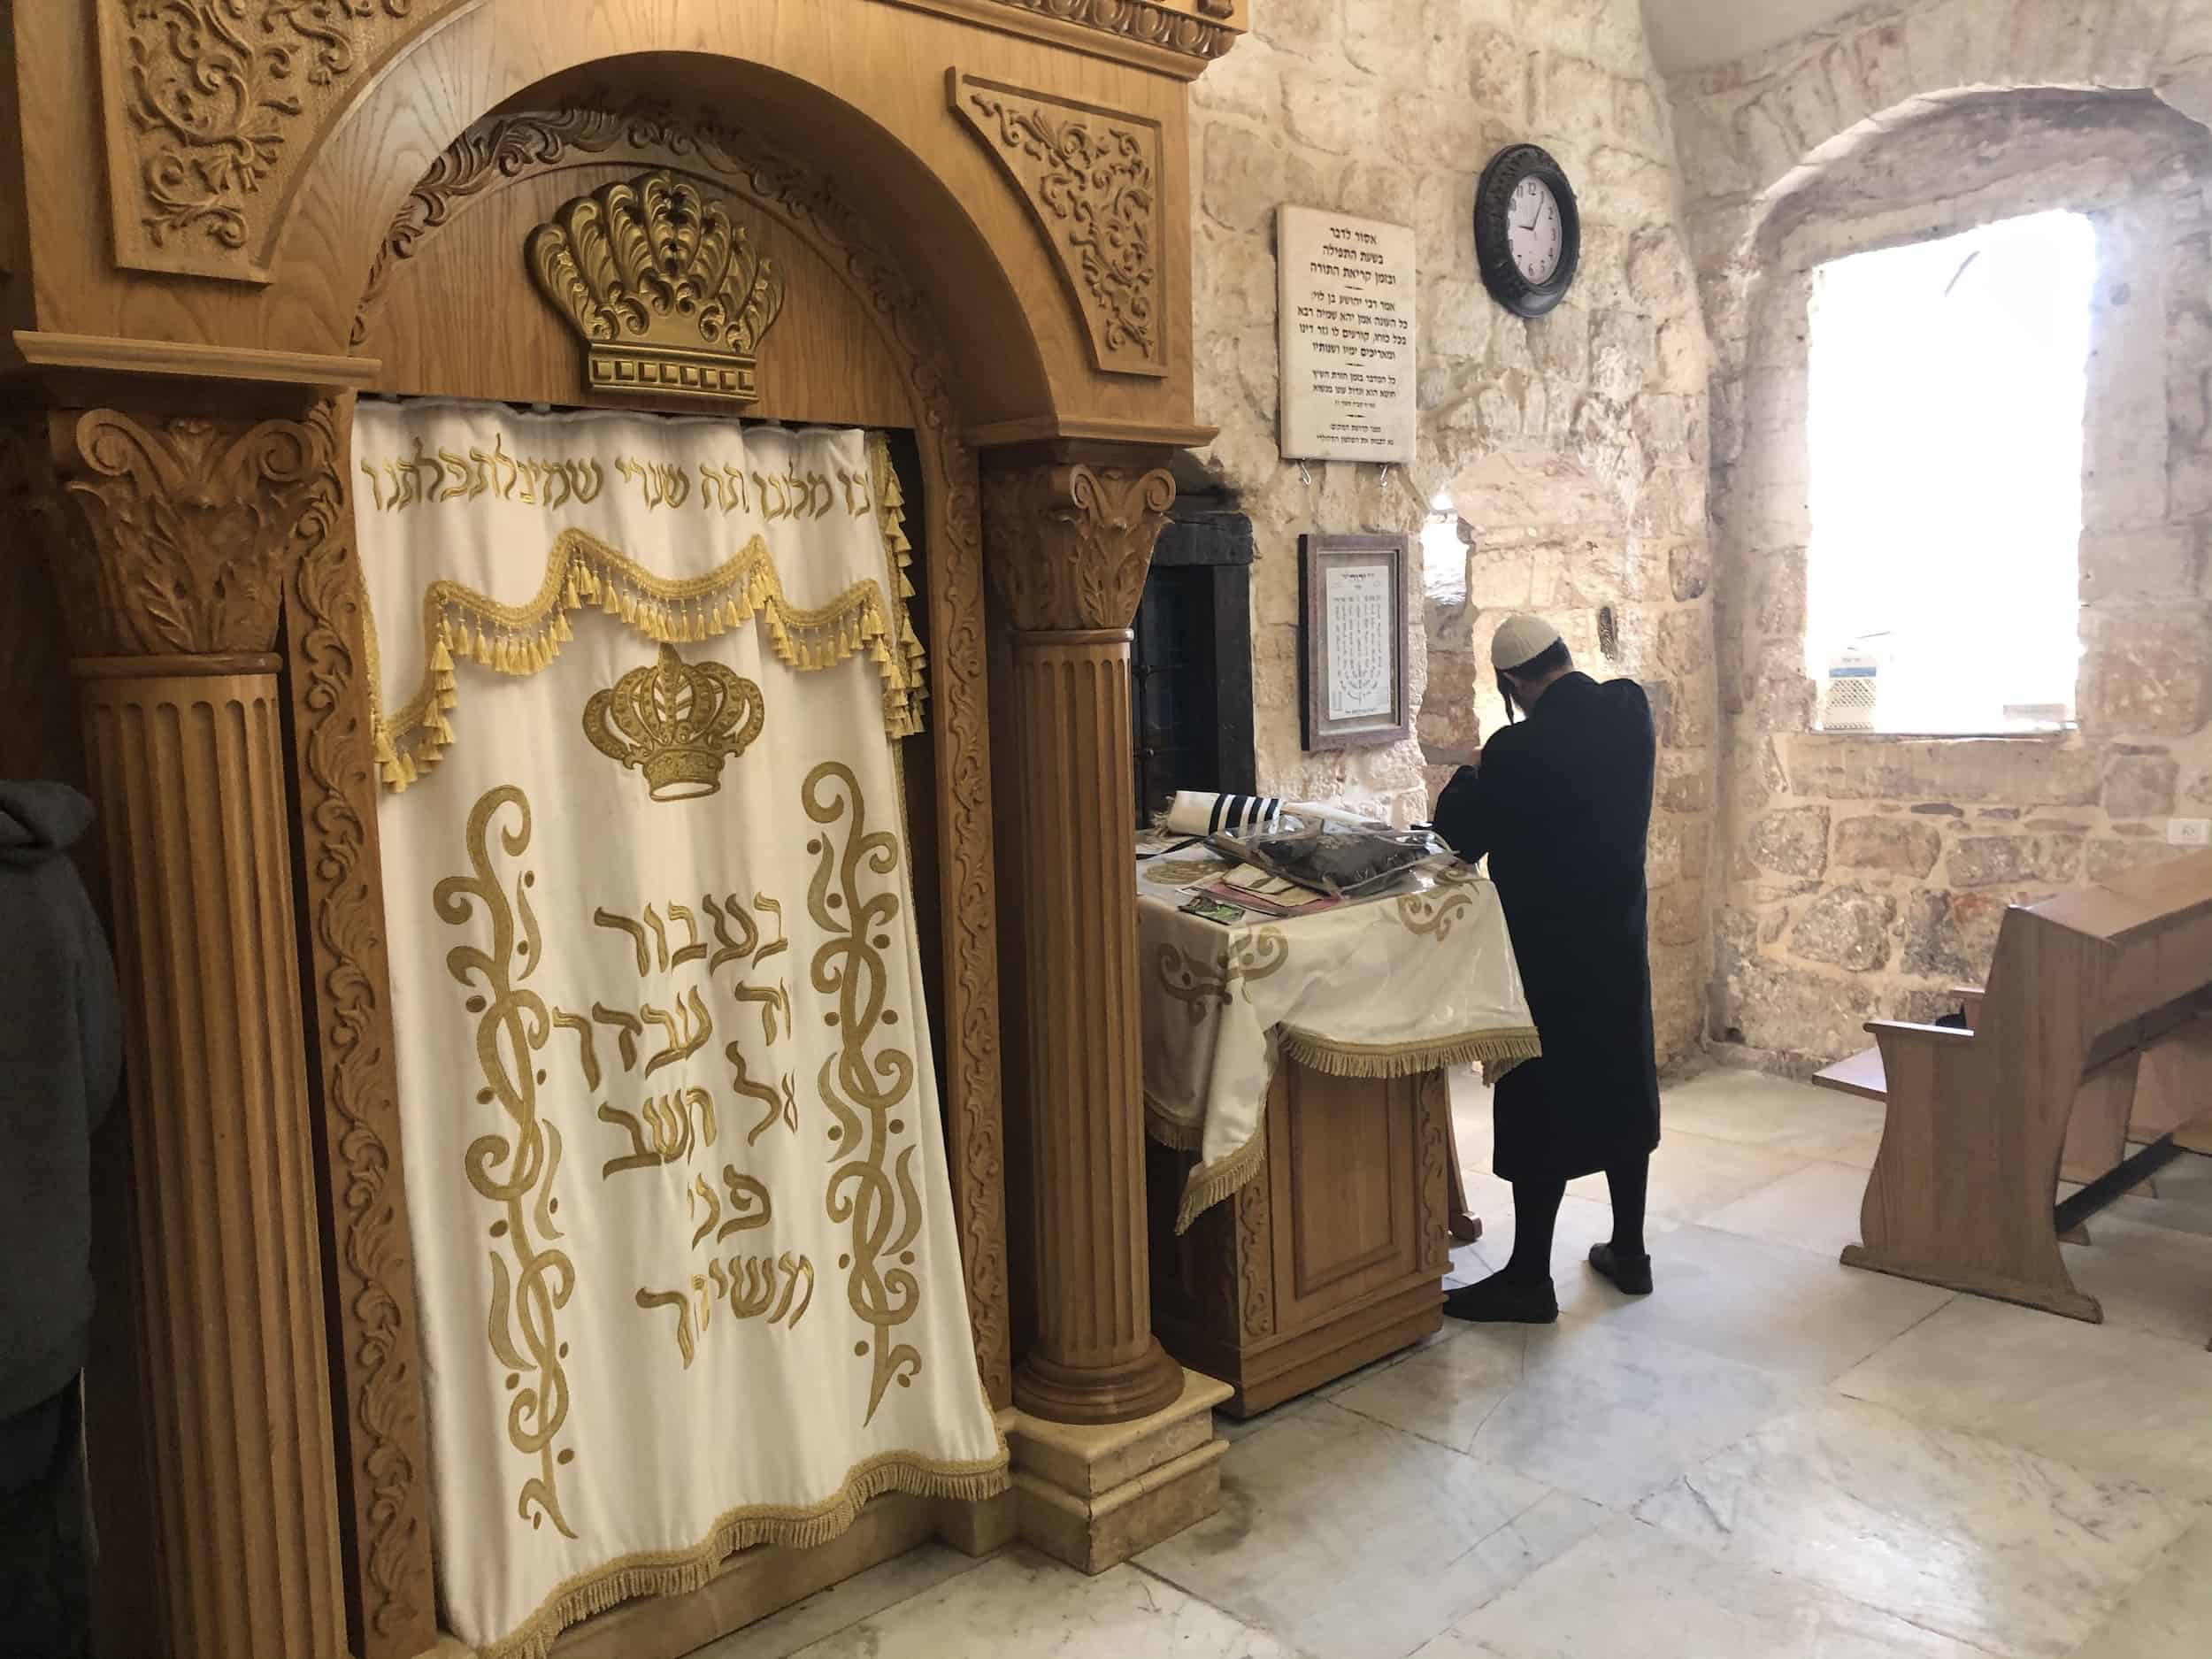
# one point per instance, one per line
(667, 290)
(676, 721)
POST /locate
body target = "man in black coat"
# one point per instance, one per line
(61, 1057)
(1560, 802)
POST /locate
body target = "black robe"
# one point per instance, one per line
(1561, 804)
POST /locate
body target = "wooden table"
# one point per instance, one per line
(1332, 1258)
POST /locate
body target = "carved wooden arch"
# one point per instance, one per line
(384, 1451)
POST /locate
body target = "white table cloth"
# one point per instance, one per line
(1390, 987)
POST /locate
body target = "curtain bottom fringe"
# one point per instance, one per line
(683, 1572)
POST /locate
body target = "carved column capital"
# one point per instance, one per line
(1070, 542)
(192, 522)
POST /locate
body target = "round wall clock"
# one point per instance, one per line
(1528, 232)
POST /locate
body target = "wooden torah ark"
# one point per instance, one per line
(1329, 1258)
(196, 288)
(2095, 1029)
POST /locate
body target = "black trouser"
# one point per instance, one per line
(1536, 1214)
(42, 1602)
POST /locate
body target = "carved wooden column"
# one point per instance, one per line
(172, 603)
(1070, 543)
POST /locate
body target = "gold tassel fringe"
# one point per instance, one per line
(1497, 1052)
(681, 1571)
(1395, 1060)
(1209, 1183)
(582, 570)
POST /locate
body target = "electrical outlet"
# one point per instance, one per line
(2190, 832)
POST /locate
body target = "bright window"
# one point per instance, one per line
(1948, 394)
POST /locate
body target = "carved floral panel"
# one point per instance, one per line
(1091, 179)
(212, 108)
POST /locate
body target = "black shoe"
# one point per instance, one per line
(1629, 1273)
(1498, 1300)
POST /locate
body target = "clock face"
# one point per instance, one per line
(1534, 234)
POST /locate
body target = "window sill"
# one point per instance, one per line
(2053, 735)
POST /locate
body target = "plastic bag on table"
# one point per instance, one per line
(1341, 861)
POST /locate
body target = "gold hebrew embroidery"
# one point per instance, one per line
(870, 618)
(872, 1190)
(515, 1171)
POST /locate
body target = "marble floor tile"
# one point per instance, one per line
(1752, 1109)
(2169, 1614)
(1814, 1208)
(1575, 1407)
(1771, 1305)
(1020, 1605)
(1634, 1590)
(2187, 1181)
(1348, 1539)
(844, 1605)
(2181, 1215)
(2103, 1398)
(2148, 1277)
(1693, 1175)
(1983, 1542)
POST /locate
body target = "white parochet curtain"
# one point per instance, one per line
(683, 1232)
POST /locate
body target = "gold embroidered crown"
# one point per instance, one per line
(678, 722)
(667, 290)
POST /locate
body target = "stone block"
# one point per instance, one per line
(1307, 27)
(1904, 847)
(1499, 67)
(1689, 713)
(1792, 1010)
(1847, 927)
(2034, 771)
(1245, 177)
(1684, 783)
(1685, 640)
(1793, 841)
(1639, 120)
(2140, 786)
(1333, 114)
(1690, 570)
(2148, 673)
(1456, 321)
(1952, 936)
(1664, 860)
(1685, 358)
(1248, 81)
(1379, 189)
(1629, 189)
(1623, 349)
(2163, 562)
(1576, 95)
(2109, 859)
(1559, 344)
(1678, 913)
(1997, 860)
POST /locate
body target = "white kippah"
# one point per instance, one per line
(1521, 640)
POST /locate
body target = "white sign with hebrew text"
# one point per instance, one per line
(1347, 337)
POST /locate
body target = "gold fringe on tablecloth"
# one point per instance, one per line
(1497, 1052)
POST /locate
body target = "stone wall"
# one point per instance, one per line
(1575, 449)
(1863, 876)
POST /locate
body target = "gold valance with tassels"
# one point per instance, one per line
(483, 493)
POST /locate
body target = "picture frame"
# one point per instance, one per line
(1353, 604)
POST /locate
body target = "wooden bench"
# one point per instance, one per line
(2095, 1030)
